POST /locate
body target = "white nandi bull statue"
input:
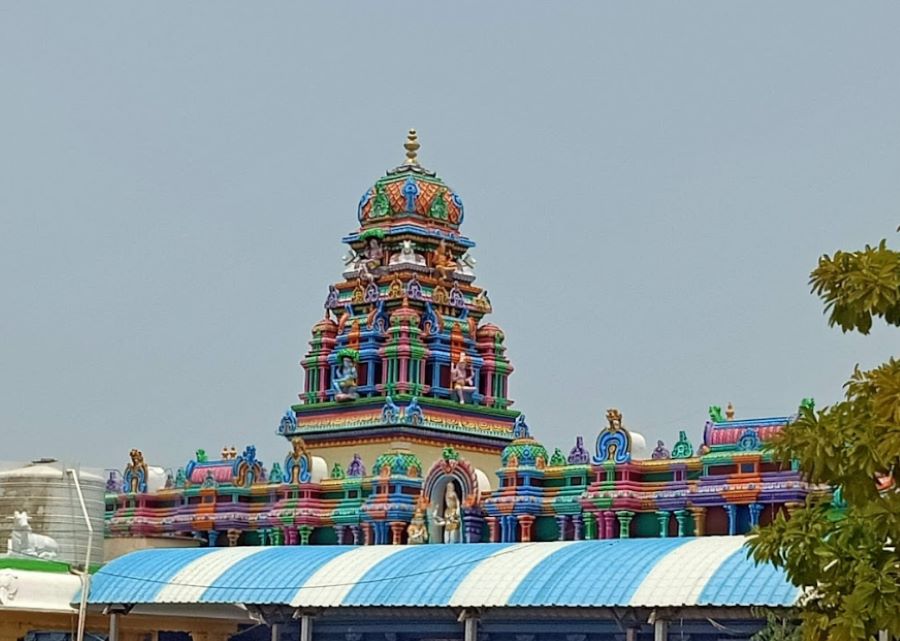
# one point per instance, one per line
(24, 542)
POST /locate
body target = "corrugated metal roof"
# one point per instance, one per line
(619, 572)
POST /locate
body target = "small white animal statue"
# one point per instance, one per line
(24, 542)
(407, 255)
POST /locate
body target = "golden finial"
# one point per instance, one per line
(729, 412)
(412, 146)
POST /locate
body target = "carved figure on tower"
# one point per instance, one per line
(442, 261)
(417, 531)
(462, 378)
(344, 381)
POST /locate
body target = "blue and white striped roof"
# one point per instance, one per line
(621, 572)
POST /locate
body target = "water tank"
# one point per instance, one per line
(48, 495)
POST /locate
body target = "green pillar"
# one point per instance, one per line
(663, 518)
(305, 532)
(276, 536)
(681, 518)
(590, 526)
(625, 523)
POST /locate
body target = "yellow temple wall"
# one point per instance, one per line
(428, 453)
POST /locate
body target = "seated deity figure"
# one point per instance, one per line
(368, 260)
(343, 382)
(442, 261)
(450, 519)
(407, 255)
(462, 378)
(417, 532)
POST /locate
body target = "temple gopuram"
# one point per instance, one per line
(404, 432)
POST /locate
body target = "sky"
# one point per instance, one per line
(649, 186)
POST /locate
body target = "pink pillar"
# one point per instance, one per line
(609, 525)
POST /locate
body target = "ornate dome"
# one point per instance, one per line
(527, 451)
(399, 461)
(410, 191)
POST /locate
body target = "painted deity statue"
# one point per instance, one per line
(417, 532)
(450, 519)
(442, 261)
(462, 378)
(369, 259)
(344, 380)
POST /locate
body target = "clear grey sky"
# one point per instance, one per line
(649, 186)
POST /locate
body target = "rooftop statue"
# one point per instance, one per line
(24, 542)
(407, 255)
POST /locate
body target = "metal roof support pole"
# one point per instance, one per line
(306, 626)
(276, 630)
(469, 619)
(661, 630)
(114, 626)
(631, 634)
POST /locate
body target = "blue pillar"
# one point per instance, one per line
(731, 510)
(755, 510)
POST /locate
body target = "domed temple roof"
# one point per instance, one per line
(410, 191)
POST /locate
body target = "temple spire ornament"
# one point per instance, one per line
(412, 147)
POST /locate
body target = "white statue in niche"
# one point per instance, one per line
(451, 519)
(407, 255)
(24, 542)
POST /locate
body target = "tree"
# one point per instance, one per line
(843, 551)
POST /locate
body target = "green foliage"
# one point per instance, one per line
(859, 286)
(849, 566)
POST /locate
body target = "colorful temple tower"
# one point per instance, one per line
(404, 432)
(402, 353)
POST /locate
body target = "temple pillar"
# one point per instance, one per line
(609, 524)
(699, 514)
(590, 526)
(577, 527)
(562, 521)
(508, 527)
(680, 517)
(755, 510)
(525, 523)
(493, 530)
(213, 537)
(397, 528)
(276, 535)
(354, 530)
(625, 523)
(290, 536)
(731, 511)
(662, 517)
(474, 525)
(305, 532)
(367, 533)
(339, 531)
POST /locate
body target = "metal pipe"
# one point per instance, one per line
(85, 573)
(114, 626)
(471, 629)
